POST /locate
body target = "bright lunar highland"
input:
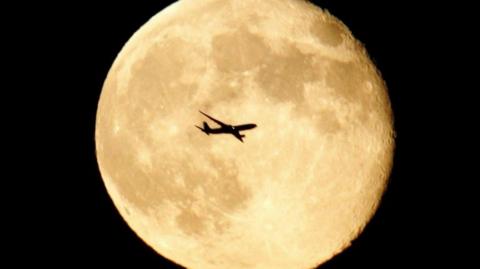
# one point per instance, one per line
(303, 184)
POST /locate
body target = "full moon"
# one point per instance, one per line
(303, 184)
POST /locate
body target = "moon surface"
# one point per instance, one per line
(305, 182)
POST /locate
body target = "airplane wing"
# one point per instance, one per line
(245, 126)
(215, 120)
(238, 136)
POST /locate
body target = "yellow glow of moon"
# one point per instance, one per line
(307, 179)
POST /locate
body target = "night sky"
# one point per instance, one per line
(73, 221)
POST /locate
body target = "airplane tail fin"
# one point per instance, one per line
(206, 129)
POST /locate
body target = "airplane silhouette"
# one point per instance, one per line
(225, 128)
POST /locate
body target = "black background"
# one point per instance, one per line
(72, 221)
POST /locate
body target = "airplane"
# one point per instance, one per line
(225, 128)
